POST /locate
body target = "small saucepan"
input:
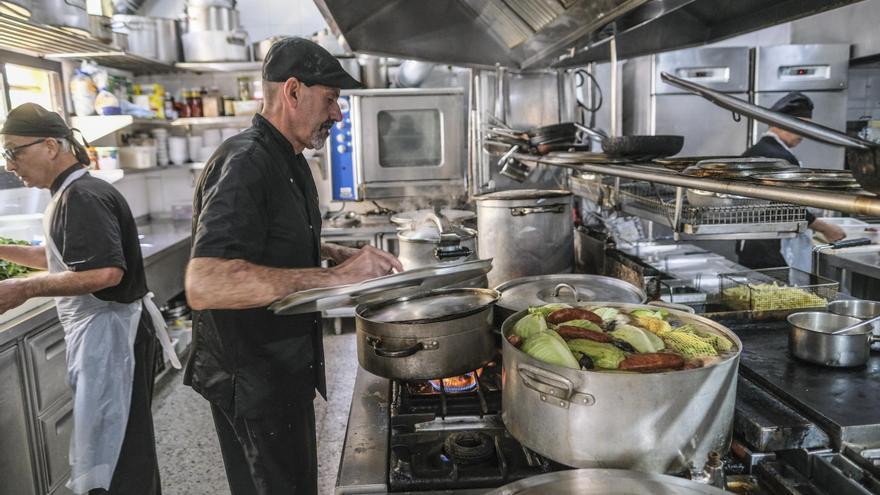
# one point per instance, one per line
(810, 338)
(857, 308)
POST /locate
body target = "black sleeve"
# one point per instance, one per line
(90, 233)
(232, 221)
(810, 218)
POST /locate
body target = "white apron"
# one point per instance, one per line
(100, 366)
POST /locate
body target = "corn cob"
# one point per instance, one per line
(655, 325)
(719, 342)
(689, 345)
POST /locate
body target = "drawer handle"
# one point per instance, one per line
(57, 347)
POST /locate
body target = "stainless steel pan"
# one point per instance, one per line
(810, 339)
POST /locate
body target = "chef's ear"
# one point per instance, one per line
(291, 89)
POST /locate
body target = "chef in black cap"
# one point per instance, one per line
(96, 274)
(256, 239)
(778, 143)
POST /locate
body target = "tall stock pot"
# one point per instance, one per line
(651, 422)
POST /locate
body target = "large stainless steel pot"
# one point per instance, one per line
(167, 41)
(436, 241)
(604, 482)
(810, 339)
(215, 46)
(70, 15)
(652, 422)
(99, 28)
(526, 232)
(573, 289)
(210, 18)
(437, 334)
(141, 31)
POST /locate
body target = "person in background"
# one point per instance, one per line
(96, 274)
(778, 143)
(256, 239)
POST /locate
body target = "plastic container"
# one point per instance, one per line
(137, 157)
(108, 157)
(249, 107)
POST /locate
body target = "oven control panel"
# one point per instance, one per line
(343, 180)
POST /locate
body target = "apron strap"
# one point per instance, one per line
(161, 331)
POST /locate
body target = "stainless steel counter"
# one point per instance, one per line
(852, 266)
(165, 247)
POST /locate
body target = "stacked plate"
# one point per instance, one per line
(737, 168)
(161, 136)
(810, 179)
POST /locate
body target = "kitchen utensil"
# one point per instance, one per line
(854, 326)
(555, 410)
(120, 40)
(261, 48)
(572, 289)
(215, 46)
(99, 28)
(707, 199)
(605, 482)
(811, 339)
(167, 41)
(210, 18)
(435, 241)
(69, 15)
(776, 289)
(856, 308)
(409, 219)
(437, 334)
(526, 232)
(141, 31)
(642, 146)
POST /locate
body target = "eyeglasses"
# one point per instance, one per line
(9, 153)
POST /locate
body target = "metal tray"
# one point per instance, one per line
(605, 482)
(404, 283)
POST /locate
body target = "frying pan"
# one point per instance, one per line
(654, 146)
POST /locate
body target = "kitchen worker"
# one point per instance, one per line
(96, 274)
(256, 239)
(778, 143)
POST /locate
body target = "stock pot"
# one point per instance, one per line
(651, 422)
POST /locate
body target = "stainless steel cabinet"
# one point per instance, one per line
(16, 466)
(47, 352)
(56, 426)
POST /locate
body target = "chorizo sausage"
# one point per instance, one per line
(515, 340)
(652, 361)
(568, 314)
(569, 332)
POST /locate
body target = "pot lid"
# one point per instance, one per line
(522, 293)
(606, 482)
(421, 279)
(430, 233)
(434, 306)
(417, 217)
(516, 194)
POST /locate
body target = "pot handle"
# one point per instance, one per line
(400, 353)
(873, 339)
(570, 287)
(546, 382)
(522, 211)
(679, 307)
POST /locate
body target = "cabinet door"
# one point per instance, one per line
(48, 354)
(16, 467)
(56, 426)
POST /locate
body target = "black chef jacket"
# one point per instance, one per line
(767, 253)
(256, 201)
(93, 228)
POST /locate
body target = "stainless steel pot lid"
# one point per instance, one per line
(530, 194)
(430, 307)
(605, 482)
(417, 217)
(388, 287)
(522, 293)
(750, 163)
(430, 233)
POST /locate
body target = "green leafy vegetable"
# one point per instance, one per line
(642, 340)
(550, 348)
(659, 314)
(603, 355)
(529, 325)
(546, 309)
(607, 314)
(589, 325)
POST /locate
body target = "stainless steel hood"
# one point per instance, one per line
(530, 34)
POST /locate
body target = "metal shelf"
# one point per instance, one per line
(235, 120)
(220, 66)
(95, 127)
(56, 43)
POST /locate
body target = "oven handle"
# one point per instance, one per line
(528, 210)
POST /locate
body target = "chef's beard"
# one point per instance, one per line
(319, 137)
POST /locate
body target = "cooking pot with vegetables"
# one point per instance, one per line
(613, 385)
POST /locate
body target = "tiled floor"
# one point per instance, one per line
(189, 454)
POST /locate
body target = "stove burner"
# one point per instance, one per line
(469, 447)
(456, 384)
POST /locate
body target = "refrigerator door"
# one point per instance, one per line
(829, 109)
(801, 68)
(707, 129)
(722, 69)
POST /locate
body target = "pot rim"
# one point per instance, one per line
(560, 276)
(796, 327)
(402, 235)
(362, 308)
(733, 358)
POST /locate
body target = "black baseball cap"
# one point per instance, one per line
(30, 119)
(795, 104)
(307, 61)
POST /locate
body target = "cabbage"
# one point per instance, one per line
(529, 325)
(603, 355)
(642, 341)
(550, 348)
(546, 309)
(589, 325)
(608, 314)
(660, 314)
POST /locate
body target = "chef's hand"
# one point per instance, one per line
(12, 295)
(831, 232)
(367, 263)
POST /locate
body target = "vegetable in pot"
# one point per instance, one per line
(688, 345)
(546, 309)
(607, 314)
(586, 362)
(657, 326)
(529, 325)
(603, 355)
(568, 332)
(659, 314)
(720, 343)
(589, 325)
(652, 361)
(549, 348)
(642, 340)
(569, 314)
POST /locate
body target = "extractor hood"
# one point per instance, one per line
(533, 34)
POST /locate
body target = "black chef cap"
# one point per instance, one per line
(30, 119)
(795, 104)
(307, 61)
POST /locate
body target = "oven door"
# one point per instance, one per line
(409, 137)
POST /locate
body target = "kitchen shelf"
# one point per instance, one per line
(236, 120)
(220, 66)
(95, 127)
(56, 43)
